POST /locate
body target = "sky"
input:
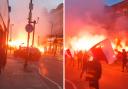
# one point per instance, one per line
(19, 15)
(111, 2)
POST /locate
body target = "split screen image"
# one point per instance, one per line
(63, 44)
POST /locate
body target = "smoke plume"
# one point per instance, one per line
(91, 17)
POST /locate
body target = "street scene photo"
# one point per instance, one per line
(96, 44)
(31, 44)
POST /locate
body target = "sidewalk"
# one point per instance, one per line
(14, 77)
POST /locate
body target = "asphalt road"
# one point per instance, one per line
(14, 76)
(112, 78)
(52, 71)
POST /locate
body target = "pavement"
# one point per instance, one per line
(52, 68)
(14, 77)
(112, 77)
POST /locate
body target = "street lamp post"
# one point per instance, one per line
(51, 29)
(29, 19)
(28, 29)
(34, 23)
(38, 40)
(11, 25)
(51, 38)
(11, 32)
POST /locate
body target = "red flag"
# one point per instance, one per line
(103, 51)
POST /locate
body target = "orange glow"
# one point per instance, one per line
(17, 43)
(19, 40)
(85, 42)
(91, 58)
(42, 69)
(41, 48)
(123, 46)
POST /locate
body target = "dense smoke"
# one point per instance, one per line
(91, 17)
(81, 13)
(19, 17)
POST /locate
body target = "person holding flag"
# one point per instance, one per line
(93, 69)
(104, 51)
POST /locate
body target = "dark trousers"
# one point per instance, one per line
(94, 84)
(25, 64)
(124, 66)
(0, 70)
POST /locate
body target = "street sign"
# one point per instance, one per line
(29, 28)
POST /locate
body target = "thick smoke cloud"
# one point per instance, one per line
(80, 13)
(19, 15)
(91, 17)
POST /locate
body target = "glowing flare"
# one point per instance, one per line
(41, 48)
(42, 69)
(85, 42)
(123, 46)
(16, 43)
(91, 58)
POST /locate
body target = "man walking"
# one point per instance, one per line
(124, 60)
(93, 72)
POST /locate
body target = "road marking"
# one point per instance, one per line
(59, 87)
(73, 85)
(46, 85)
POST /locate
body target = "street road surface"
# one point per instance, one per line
(52, 70)
(112, 78)
(14, 77)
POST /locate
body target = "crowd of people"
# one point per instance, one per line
(87, 64)
(91, 66)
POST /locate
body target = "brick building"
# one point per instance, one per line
(121, 8)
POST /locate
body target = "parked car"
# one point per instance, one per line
(33, 53)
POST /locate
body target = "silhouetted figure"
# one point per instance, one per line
(93, 72)
(85, 58)
(2, 58)
(124, 60)
(27, 56)
(79, 59)
(69, 57)
(118, 54)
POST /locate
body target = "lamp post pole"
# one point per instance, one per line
(11, 32)
(11, 25)
(29, 29)
(29, 19)
(34, 24)
(51, 38)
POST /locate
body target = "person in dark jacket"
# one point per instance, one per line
(124, 60)
(2, 58)
(79, 59)
(93, 71)
(3, 54)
